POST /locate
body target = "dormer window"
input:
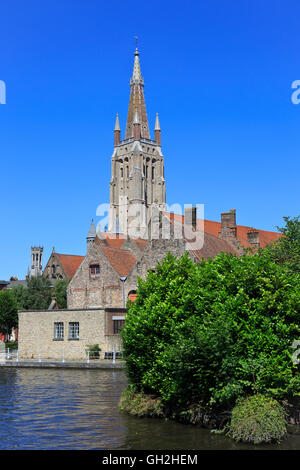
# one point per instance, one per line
(94, 270)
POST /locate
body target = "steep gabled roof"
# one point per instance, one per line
(121, 260)
(70, 263)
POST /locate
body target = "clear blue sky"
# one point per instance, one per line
(219, 74)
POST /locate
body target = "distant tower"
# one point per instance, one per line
(137, 164)
(36, 260)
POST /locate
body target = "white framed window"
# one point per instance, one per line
(74, 330)
(58, 330)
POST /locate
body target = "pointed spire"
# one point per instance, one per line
(91, 235)
(157, 132)
(117, 132)
(157, 125)
(137, 101)
(137, 76)
(92, 231)
(117, 125)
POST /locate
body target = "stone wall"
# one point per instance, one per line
(104, 290)
(36, 333)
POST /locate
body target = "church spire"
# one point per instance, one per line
(137, 101)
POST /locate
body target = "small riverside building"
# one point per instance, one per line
(68, 334)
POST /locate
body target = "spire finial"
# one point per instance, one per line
(157, 125)
(136, 45)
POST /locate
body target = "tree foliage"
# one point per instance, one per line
(60, 292)
(35, 296)
(286, 250)
(214, 331)
(8, 312)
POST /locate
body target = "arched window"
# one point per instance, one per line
(53, 268)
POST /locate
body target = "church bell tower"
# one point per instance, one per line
(137, 166)
(36, 260)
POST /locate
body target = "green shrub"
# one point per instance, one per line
(257, 419)
(94, 350)
(141, 405)
(211, 332)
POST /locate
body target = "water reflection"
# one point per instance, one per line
(78, 409)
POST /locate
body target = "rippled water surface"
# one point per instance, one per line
(78, 409)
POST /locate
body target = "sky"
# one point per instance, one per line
(218, 73)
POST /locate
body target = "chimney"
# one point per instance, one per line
(228, 221)
(190, 217)
(228, 227)
(253, 238)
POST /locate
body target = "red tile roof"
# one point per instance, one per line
(121, 260)
(70, 263)
(214, 228)
(212, 246)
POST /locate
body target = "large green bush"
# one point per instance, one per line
(211, 332)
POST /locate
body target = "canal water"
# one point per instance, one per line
(54, 409)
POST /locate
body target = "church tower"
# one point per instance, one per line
(36, 260)
(137, 182)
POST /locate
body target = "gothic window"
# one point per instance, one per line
(153, 172)
(53, 269)
(127, 168)
(122, 172)
(94, 270)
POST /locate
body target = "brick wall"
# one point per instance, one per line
(36, 333)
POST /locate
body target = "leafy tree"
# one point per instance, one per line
(60, 292)
(35, 296)
(8, 312)
(213, 331)
(20, 293)
(286, 250)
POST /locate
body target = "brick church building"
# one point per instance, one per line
(141, 232)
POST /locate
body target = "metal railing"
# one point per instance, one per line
(9, 355)
(116, 353)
